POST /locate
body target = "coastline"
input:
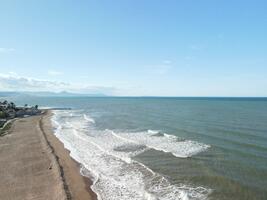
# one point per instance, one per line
(35, 164)
(77, 184)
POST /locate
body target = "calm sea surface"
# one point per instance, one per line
(166, 148)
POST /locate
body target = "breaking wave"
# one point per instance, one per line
(108, 158)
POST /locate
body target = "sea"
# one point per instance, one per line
(155, 148)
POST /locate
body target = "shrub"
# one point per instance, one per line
(2, 115)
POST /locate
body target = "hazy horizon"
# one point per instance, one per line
(4, 94)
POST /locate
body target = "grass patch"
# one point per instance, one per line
(4, 131)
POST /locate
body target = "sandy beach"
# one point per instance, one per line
(35, 164)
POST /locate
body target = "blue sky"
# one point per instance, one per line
(135, 47)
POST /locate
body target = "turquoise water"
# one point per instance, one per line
(229, 158)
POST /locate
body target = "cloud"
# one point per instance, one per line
(13, 82)
(6, 50)
(54, 73)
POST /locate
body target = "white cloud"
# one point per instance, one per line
(13, 82)
(6, 50)
(54, 73)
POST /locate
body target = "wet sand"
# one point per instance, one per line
(35, 165)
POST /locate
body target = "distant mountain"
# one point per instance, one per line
(48, 94)
(8, 94)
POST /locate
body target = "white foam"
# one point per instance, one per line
(45, 107)
(89, 119)
(107, 156)
(152, 131)
(166, 143)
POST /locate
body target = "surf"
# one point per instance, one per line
(108, 157)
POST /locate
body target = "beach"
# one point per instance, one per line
(137, 149)
(35, 164)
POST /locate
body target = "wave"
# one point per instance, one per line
(164, 142)
(89, 119)
(108, 158)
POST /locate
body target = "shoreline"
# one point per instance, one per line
(77, 185)
(30, 153)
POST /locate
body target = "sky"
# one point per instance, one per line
(135, 47)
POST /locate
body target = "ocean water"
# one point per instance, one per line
(166, 148)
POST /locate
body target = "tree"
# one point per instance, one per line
(12, 105)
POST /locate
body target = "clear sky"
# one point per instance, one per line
(135, 47)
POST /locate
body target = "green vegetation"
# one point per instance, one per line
(9, 111)
(3, 115)
(5, 129)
